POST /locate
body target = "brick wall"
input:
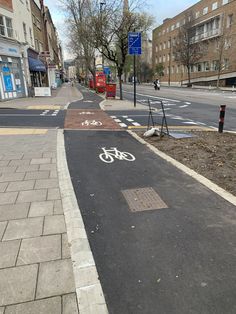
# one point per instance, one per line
(6, 4)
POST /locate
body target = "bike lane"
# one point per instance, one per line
(162, 242)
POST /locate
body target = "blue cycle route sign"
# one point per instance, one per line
(135, 43)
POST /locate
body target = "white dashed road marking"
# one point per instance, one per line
(123, 125)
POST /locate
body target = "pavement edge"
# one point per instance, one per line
(206, 182)
(89, 291)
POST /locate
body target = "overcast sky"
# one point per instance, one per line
(161, 9)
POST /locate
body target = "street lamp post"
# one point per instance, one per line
(101, 6)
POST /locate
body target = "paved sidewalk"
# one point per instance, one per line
(60, 98)
(117, 104)
(36, 275)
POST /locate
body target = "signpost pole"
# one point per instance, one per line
(134, 80)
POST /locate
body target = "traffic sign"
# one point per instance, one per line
(135, 43)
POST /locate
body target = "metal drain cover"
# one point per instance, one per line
(143, 199)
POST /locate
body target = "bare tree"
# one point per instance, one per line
(186, 51)
(111, 30)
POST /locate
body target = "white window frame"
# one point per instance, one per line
(214, 6)
(205, 11)
(225, 2)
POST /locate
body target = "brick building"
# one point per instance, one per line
(213, 22)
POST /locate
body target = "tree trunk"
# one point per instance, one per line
(120, 86)
(218, 79)
(189, 77)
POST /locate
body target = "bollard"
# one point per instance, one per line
(222, 118)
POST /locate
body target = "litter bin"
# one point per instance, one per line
(110, 90)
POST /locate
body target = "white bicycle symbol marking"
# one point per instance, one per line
(86, 113)
(92, 122)
(108, 155)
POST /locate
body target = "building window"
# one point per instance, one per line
(38, 24)
(225, 2)
(199, 67)
(164, 58)
(167, 30)
(214, 6)
(34, 20)
(229, 20)
(206, 66)
(164, 45)
(31, 36)
(27, 4)
(205, 10)
(160, 47)
(172, 27)
(177, 25)
(6, 26)
(156, 48)
(172, 69)
(36, 44)
(215, 65)
(25, 32)
(226, 64)
(197, 14)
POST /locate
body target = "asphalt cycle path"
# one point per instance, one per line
(90, 99)
(162, 242)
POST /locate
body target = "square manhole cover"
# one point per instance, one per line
(143, 199)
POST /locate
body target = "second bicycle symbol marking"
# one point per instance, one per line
(109, 155)
(86, 113)
(91, 122)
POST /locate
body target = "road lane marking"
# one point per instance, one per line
(130, 120)
(123, 125)
(117, 120)
(150, 96)
(136, 124)
(44, 107)
(184, 106)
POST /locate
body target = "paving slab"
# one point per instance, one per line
(32, 196)
(8, 253)
(8, 177)
(3, 186)
(8, 169)
(8, 198)
(24, 228)
(21, 186)
(2, 228)
(14, 211)
(37, 174)
(46, 306)
(54, 224)
(46, 184)
(19, 162)
(4, 163)
(49, 155)
(38, 209)
(11, 156)
(40, 249)
(40, 161)
(55, 278)
(1, 310)
(31, 155)
(58, 207)
(50, 167)
(53, 174)
(54, 194)
(28, 168)
(18, 284)
(69, 304)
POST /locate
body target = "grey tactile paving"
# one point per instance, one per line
(24, 228)
(55, 278)
(8, 198)
(17, 284)
(69, 304)
(32, 196)
(14, 211)
(8, 253)
(54, 224)
(38, 209)
(46, 306)
(40, 249)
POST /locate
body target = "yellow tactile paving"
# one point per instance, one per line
(44, 107)
(9, 131)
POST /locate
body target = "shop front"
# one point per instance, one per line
(37, 70)
(12, 81)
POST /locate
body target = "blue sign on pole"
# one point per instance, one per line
(8, 83)
(135, 43)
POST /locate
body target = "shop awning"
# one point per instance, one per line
(36, 65)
